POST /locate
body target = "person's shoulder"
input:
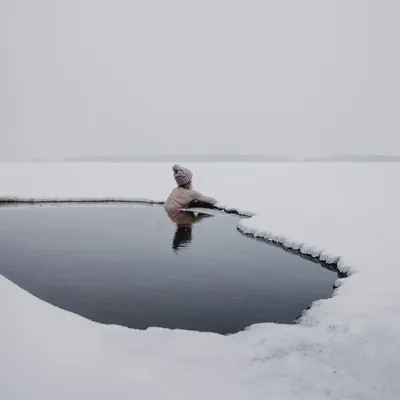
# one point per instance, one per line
(194, 194)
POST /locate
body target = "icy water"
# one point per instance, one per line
(139, 267)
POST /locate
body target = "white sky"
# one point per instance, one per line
(120, 77)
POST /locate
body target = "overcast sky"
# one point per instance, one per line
(120, 77)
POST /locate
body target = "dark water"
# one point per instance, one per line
(134, 266)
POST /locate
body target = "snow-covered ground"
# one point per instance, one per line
(346, 347)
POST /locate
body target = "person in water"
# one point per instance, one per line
(184, 194)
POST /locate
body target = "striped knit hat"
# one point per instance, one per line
(182, 175)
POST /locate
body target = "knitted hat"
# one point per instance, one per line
(182, 175)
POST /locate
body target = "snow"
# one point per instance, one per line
(346, 347)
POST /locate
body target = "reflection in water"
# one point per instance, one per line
(184, 221)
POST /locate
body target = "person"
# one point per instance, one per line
(184, 195)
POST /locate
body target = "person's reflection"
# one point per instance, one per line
(184, 221)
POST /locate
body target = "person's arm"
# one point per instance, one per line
(196, 196)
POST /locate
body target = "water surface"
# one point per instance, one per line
(139, 267)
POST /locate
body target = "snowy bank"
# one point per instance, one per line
(346, 347)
